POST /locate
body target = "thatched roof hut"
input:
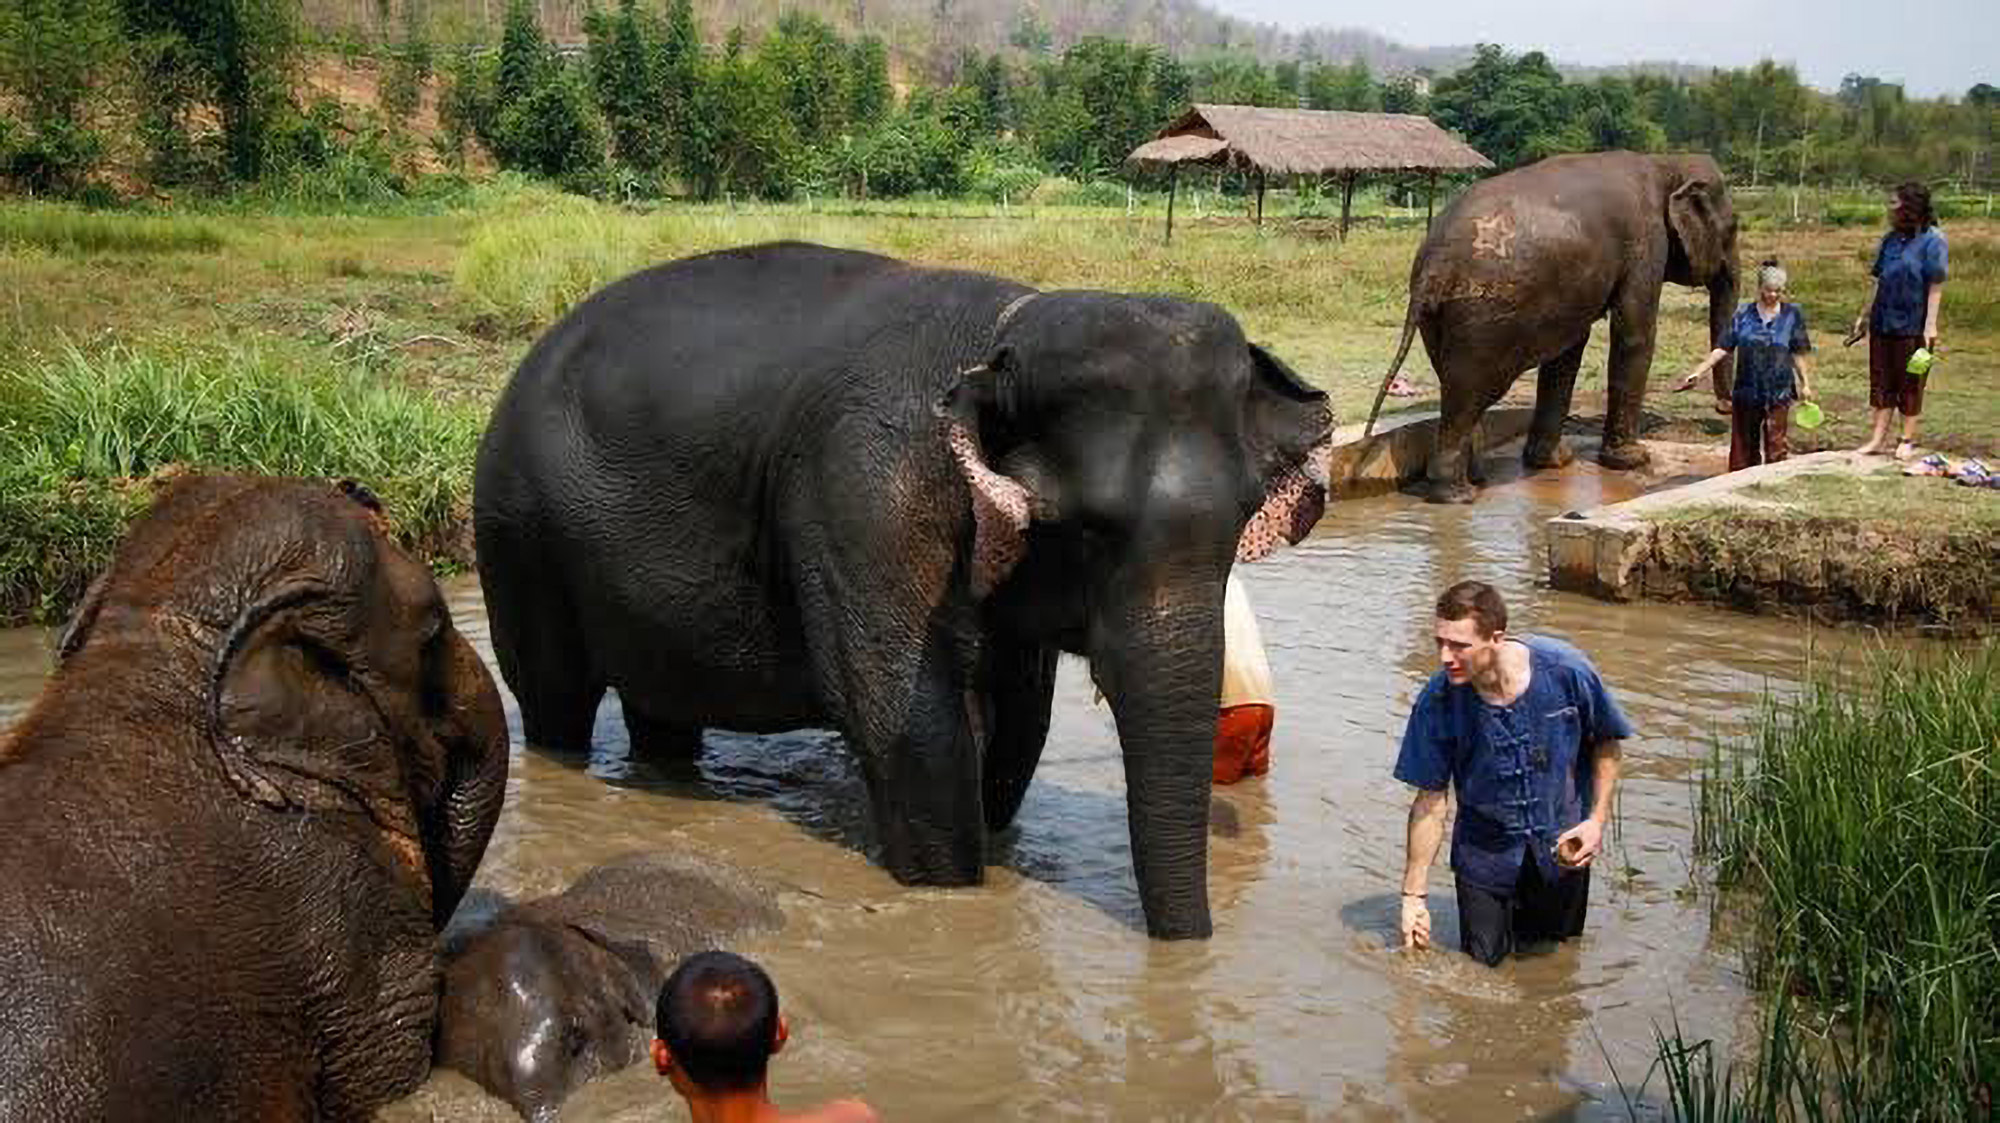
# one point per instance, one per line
(1314, 142)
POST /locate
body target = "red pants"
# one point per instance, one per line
(1758, 435)
(1243, 742)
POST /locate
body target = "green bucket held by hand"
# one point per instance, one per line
(1807, 415)
(1920, 362)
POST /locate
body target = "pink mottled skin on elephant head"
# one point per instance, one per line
(999, 514)
(1292, 506)
(1001, 511)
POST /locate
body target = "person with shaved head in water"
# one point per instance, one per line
(719, 1026)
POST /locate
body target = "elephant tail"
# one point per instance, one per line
(1402, 352)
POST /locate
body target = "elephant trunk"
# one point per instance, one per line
(1157, 656)
(1721, 309)
(473, 732)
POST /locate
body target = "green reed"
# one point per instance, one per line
(1862, 819)
(82, 436)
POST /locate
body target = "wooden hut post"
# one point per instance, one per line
(1430, 193)
(1173, 178)
(1260, 198)
(1346, 203)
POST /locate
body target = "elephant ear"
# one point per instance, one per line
(1694, 215)
(1001, 505)
(291, 716)
(1289, 429)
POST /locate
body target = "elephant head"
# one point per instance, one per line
(1701, 235)
(330, 677)
(1122, 452)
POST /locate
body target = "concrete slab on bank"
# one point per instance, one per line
(1604, 551)
(1395, 453)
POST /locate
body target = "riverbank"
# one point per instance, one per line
(1832, 536)
(430, 304)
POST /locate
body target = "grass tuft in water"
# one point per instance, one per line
(82, 437)
(1863, 819)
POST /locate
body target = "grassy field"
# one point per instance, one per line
(440, 298)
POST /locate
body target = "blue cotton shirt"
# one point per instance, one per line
(1523, 771)
(1764, 370)
(1906, 266)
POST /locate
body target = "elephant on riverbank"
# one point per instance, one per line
(786, 486)
(1514, 273)
(557, 991)
(257, 783)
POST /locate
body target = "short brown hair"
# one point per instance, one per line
(1478, 600)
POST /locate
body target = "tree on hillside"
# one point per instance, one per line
(1343, 87)
(626, 75)
(869, 95)
(236, 55)
(737, 136)
(1509, 109)
(809, 62)
(1400, 95)
(61, 62)
(524, 56)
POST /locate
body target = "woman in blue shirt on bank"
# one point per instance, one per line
(1773, 367)
(1902, 313)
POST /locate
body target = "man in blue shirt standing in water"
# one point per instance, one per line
(1527, 734)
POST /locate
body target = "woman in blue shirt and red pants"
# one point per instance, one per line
(1772, 368)
(1902, 315)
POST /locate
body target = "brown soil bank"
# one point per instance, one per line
(1934, 578)
(1832, 536)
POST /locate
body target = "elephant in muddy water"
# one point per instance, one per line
(1514, 273)
(257, 783)
(786, 486)
(554, 992)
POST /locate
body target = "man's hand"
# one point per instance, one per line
(1930, 339)
(1416, 922)
(1578, 845)
(1689, 379)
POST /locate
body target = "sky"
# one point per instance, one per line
(1947, 46)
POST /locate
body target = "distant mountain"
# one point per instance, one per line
(925, 33)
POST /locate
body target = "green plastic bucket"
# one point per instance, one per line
(1807, 415)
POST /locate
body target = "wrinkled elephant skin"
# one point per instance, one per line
(1516, 271)
(262, 773)
(787, 486)
(556, 992)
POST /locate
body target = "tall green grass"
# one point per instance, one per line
(62, 228)
(1862, 818)
(81, 436)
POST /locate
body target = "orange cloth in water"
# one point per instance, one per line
(1243, 742)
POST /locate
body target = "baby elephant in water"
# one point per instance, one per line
(560, 990)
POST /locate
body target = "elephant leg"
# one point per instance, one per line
(1020, 687)
(1634, 320)
(548, 670)
(910, 725)
(1452, 460)
(1555, 383)
(654, 738)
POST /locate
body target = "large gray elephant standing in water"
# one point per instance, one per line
(788, 486)
(1514, 273)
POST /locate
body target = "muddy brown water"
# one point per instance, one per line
(1036, 996)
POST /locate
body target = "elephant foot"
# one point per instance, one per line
(1550, 454)
(958, 858)
(1447, 491)
(1624, 457)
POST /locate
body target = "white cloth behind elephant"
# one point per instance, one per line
(1246, 673)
